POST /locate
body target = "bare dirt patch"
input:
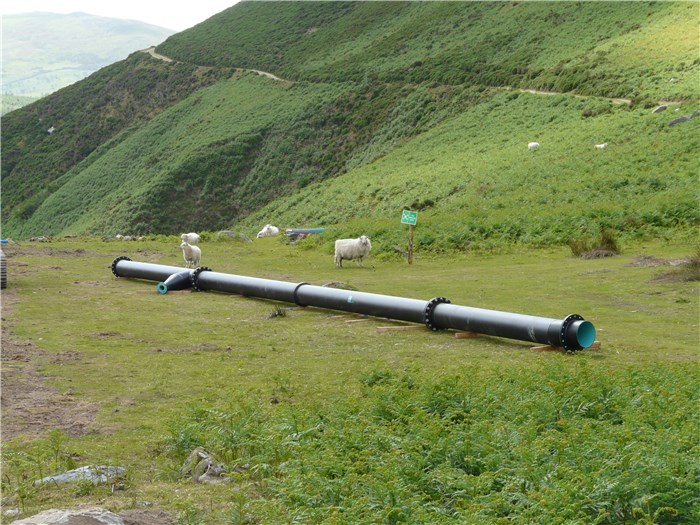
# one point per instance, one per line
(679, 270)
(650, 261)
(677, 275)
(29, 405)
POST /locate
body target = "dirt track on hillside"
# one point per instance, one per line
(152, 51)
(618, 101)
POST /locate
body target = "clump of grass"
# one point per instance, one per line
(278, 311)
(685, 272)
(25, 465)
(691, 269)
(605, 246)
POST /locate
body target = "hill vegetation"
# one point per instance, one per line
(383, 106)
(612, 49)
(44, 52)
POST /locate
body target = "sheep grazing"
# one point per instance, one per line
(190, 238)
(602, 146)
(533, 145)
(352, 249)
(192, 254)
(268, 231)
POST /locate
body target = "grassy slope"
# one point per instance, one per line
(86, 117)
(477, 183)
(588, 47)
(365, 426)
(490, 184)
(397, 42)
(106, 195)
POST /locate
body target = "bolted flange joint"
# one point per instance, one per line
(195, 277)
(428, 314)
(562, 334)
(114, 264)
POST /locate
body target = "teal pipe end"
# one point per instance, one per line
(162, 288)
(585, 335)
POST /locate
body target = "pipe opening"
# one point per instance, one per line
(585, 334)
(162, 288)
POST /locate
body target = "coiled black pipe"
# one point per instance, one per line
(570, 333)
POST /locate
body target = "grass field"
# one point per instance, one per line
(325, 419)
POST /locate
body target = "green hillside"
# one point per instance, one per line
(475, 184)
(384, 105)
(614, 49)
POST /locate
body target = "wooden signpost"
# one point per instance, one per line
(411, 218)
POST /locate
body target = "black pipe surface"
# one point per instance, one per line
(571, 333)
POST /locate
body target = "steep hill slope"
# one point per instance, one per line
(406, 104)
(83, 119)
(43, 52)
(614, 49)
(476, 185)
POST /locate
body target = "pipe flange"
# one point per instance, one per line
(562, 334)
(428, 315)
(296, 296)
(194, 277)
(114, 264)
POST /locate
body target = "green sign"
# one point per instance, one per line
(409, 217)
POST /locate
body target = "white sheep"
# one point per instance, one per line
(533, 145)
(602, 146)
(352, 249)
(268, 231)
(190, 238)
(192, 254)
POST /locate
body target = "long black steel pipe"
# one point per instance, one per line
(570, 333)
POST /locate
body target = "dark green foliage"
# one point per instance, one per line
(529, 447)
(86, 116)
(555, 46)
